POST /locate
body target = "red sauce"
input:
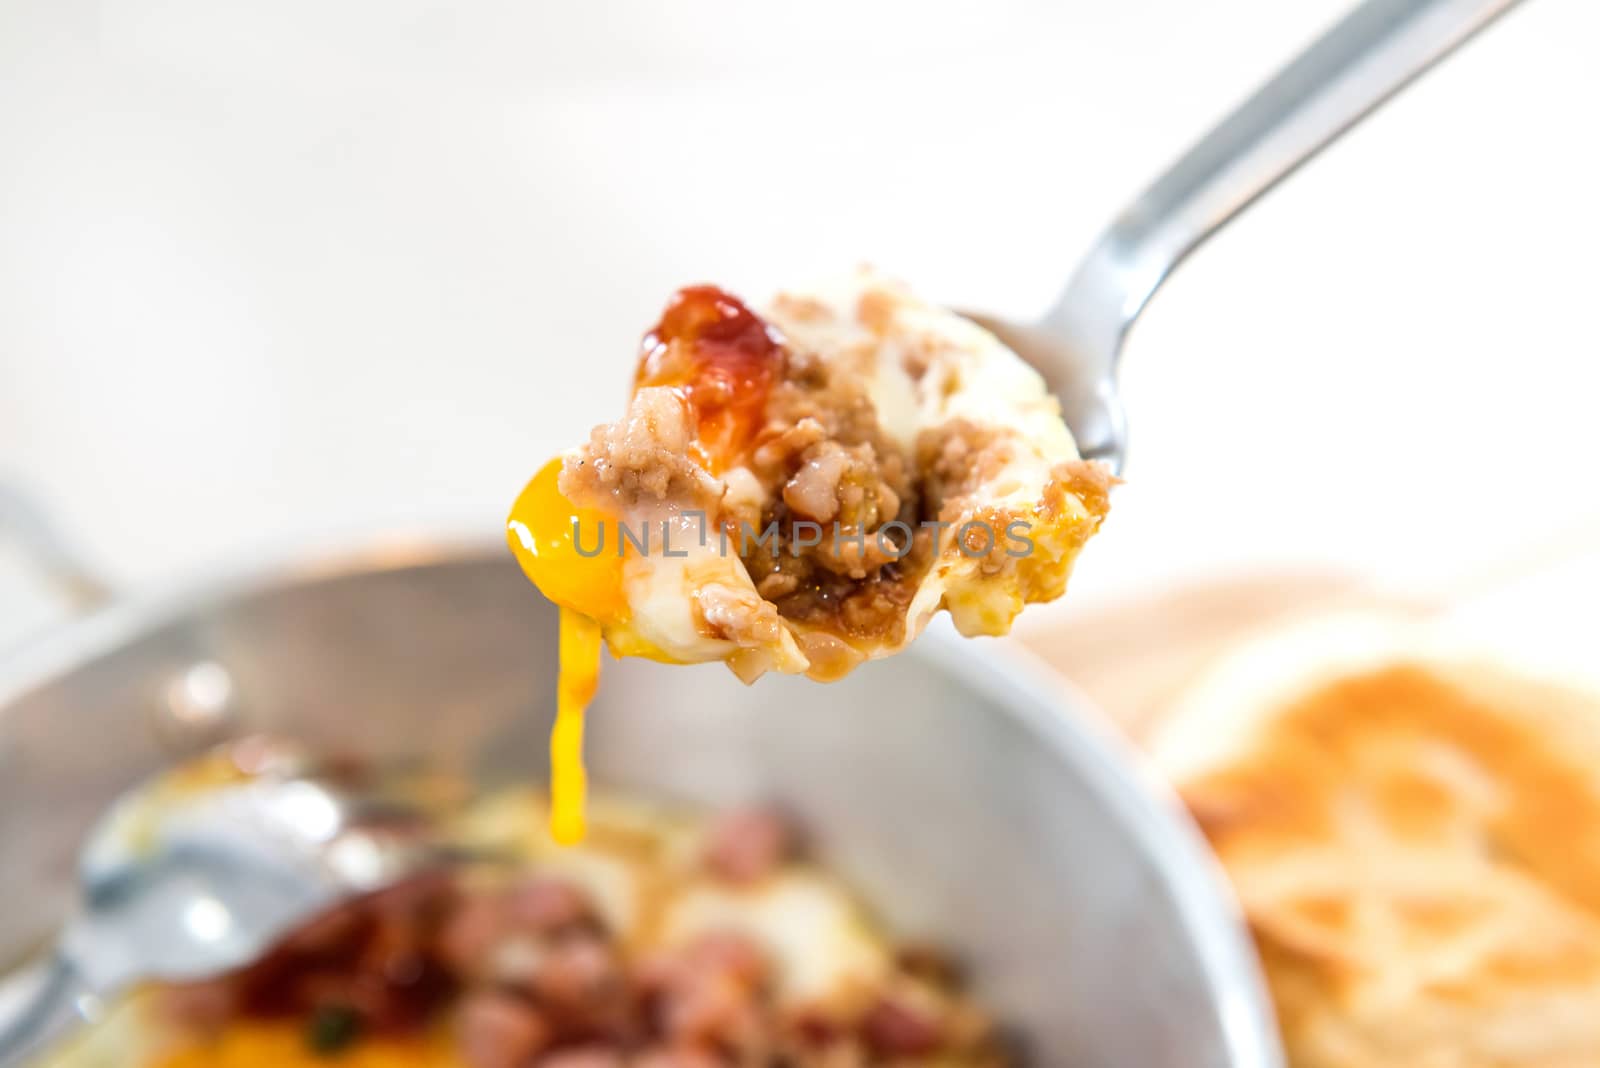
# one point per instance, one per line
(723, 356)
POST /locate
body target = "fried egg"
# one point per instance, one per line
(800, 491)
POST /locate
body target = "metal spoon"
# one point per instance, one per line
(1346, 73)
(183, 882)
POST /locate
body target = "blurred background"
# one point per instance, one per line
(293, 273)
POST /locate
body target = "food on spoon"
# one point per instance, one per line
(902, 459)
(800, 491)
(643, 947)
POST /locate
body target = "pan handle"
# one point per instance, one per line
(25, 526)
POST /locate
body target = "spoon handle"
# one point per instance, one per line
(1352, 68)
(52, 1010)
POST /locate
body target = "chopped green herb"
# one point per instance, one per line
(332, 1028)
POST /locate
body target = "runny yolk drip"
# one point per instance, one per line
(545, 531)
(725, 359)
(575, 686)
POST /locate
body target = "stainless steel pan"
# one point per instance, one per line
(972, 801)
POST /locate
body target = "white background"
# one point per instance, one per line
(272, 272)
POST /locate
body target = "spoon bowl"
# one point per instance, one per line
(184, 880)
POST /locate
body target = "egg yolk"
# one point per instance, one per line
(565, 550)
(546, 533)
(272, 1044)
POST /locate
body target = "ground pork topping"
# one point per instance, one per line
(850, 484)
(834, 483)
(813, 491)
(865, 462)
(959, 458)
(1089, 482)
(737, 615)
(644, 457)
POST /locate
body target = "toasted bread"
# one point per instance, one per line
(1416, 842)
